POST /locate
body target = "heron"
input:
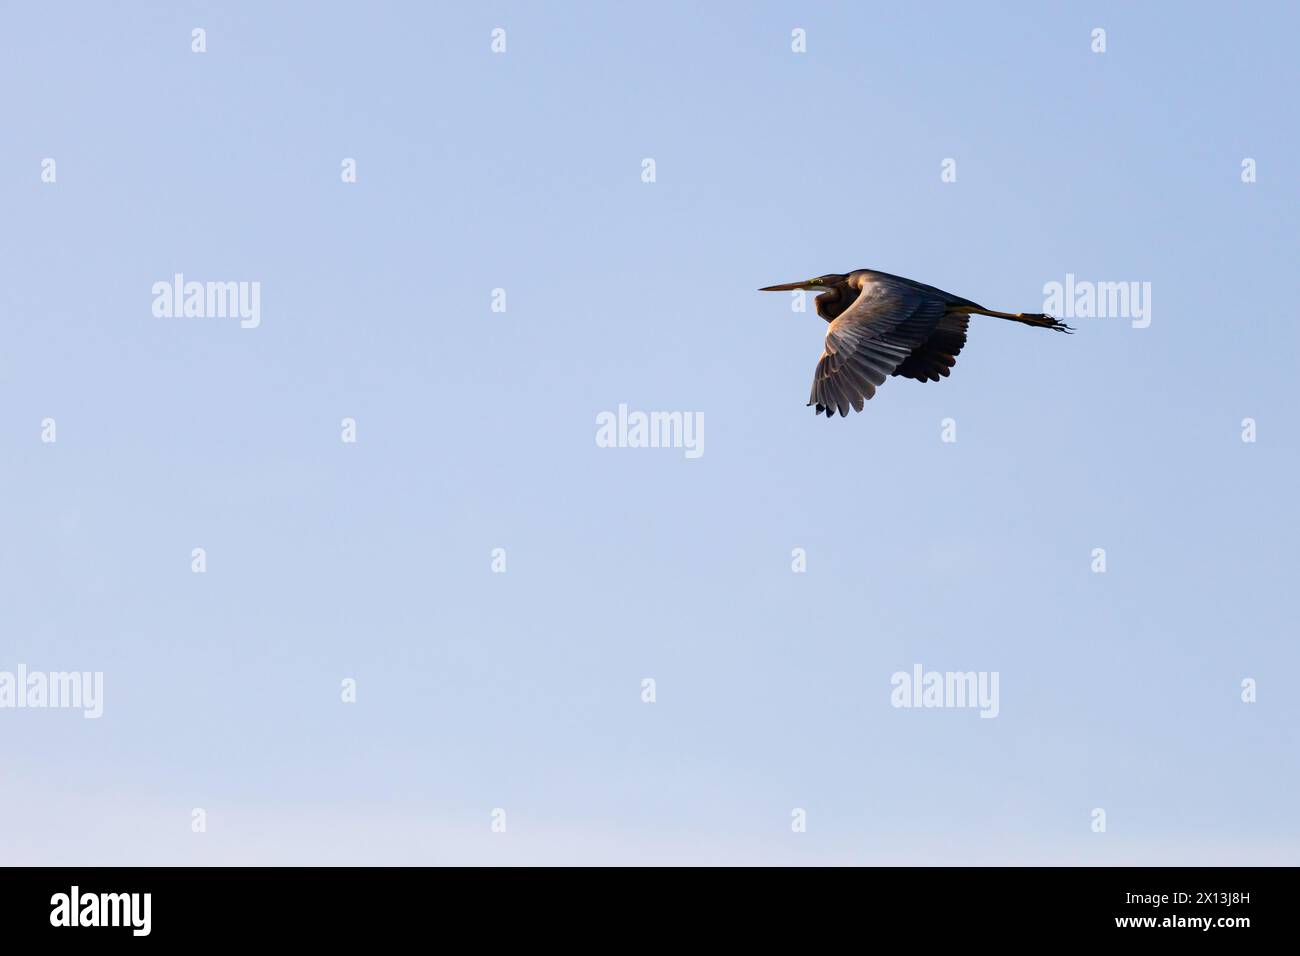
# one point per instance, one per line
(881, 325)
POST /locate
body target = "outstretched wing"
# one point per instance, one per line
(872, 339)
(932, 359)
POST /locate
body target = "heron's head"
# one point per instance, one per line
(820, 284)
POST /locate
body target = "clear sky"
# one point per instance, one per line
(522, 690)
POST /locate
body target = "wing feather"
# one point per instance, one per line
(936, 356)
(874, 338)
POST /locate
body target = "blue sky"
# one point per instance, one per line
(475, 431)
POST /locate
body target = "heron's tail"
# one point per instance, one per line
(1037, 319)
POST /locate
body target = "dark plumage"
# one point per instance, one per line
(882, 325)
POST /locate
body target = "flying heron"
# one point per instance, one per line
(887, 325)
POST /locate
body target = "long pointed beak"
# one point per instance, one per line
(788, 287)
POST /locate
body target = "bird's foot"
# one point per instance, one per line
(1047, 322)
